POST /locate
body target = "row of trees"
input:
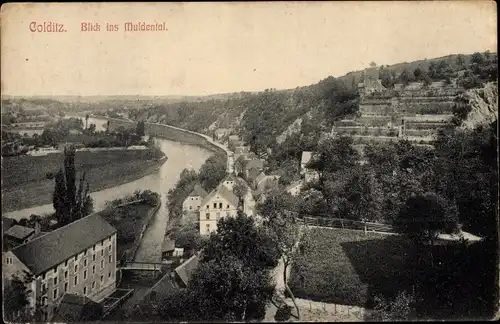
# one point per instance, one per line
(476, 70)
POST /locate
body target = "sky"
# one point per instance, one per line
(227, 47)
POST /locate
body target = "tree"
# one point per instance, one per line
(70, 203)
(373, 64)
(240, 189)
(281, 225)
(417, 73)
(240, 237)
(424, 217)
(461, 61)
(212, 172)
(86, 120)
(141, 128)
(15, 301)
(92, 128)
(477, 58)
(229, 290)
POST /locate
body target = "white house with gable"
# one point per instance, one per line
(220, 202)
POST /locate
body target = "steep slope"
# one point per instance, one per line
(483, 103)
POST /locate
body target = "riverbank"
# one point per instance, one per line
(27, 181)
(131, 220)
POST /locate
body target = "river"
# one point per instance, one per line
(180, 156)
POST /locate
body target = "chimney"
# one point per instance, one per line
(37, 227)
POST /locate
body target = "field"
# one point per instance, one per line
(25, 182)
(349, 267)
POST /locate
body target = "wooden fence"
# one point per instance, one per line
(346, 223)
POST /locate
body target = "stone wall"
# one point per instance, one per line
(172, 133)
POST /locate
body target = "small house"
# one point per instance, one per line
(194, 199)
(18, 234)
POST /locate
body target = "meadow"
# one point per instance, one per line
(27, 181)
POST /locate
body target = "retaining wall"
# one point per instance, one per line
(172, 133)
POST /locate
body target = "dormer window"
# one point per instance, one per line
(220, 205)
(215, 205)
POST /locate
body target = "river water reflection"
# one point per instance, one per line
(180, 156)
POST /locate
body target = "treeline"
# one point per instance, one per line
(470, 72)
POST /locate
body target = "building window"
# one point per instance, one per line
(66, 263)
(109, 259)
(102, 264)
(102, 279)
(215, 205)
(76, 257)
(227, 206)
(102, 252)
(76, 268)
(109, 248)
(85, 262)
(208, 207)
(93, 284)
(85, 290)
(109, 274)
(65, 287)
(190, 207)
(85, 275)
(55, 293)
(220, 205)
(76, 280)
(208, 227)
(55, 281)
(55, 270)
(43, 276)
(44, 288)
(44, 301)
(93, 248)
(207, 215)
(93, 257)
(93, 269)
(217, 214)
(66, 274)
(85, 253)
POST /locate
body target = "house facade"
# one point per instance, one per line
(221, 202)
(79, 258)
(193, 201)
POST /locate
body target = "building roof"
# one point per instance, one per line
(260, 177)
(7, 223)
(19, 232)
(74, 308)
(229, 177)
(253, 174)
(198, 191)
(185, 270)
(53, 248)
(306, 157)
(168, 245)
(253, 164)
(224, 192)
